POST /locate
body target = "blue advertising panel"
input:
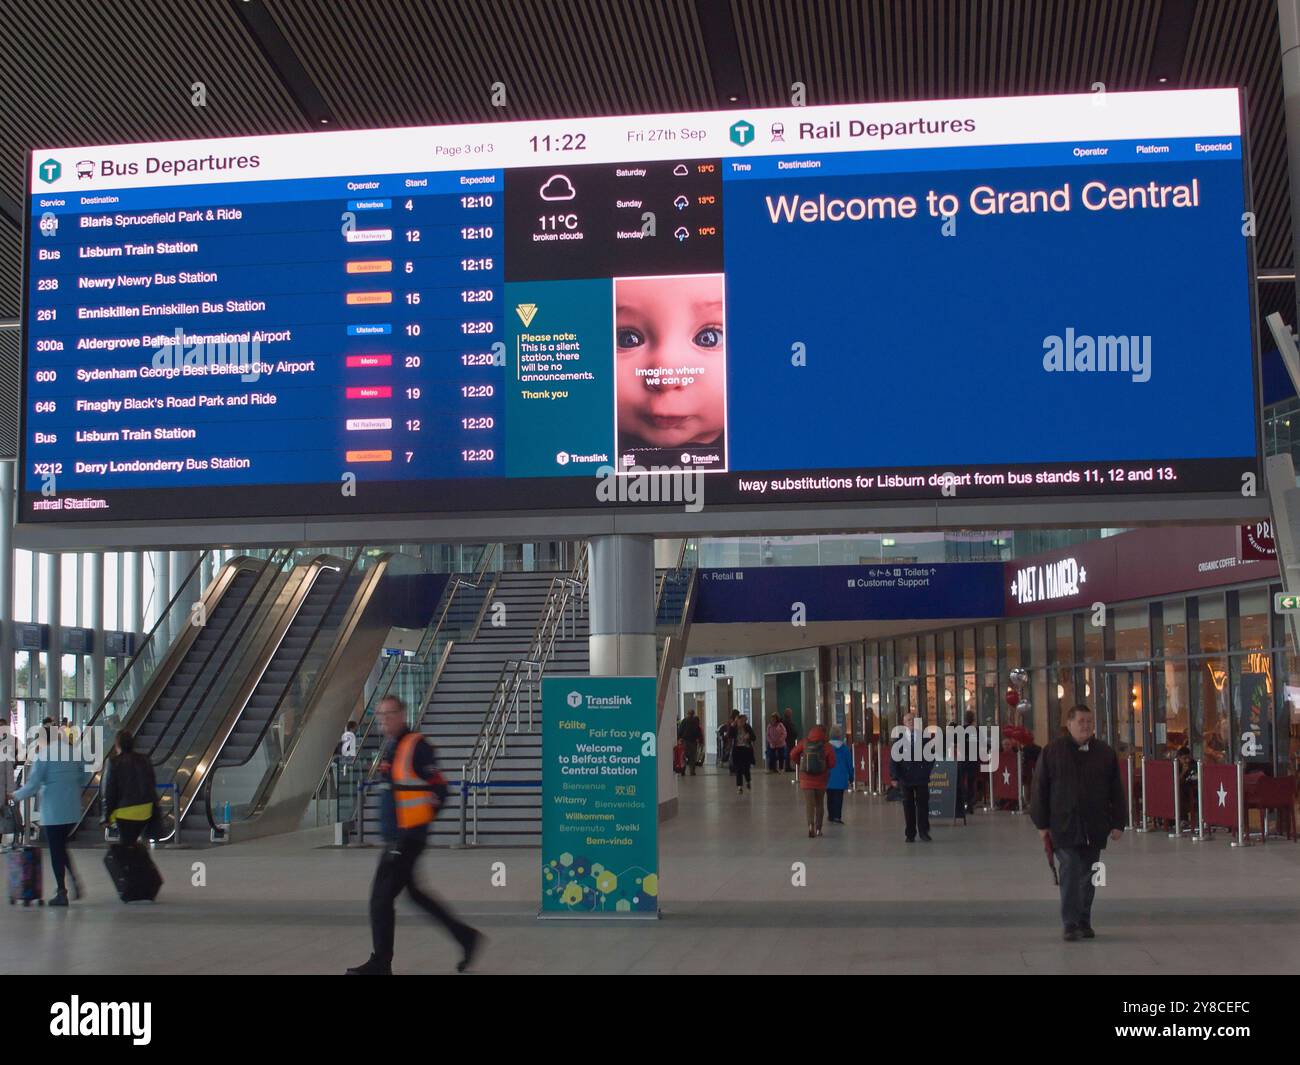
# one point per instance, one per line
(966, 299)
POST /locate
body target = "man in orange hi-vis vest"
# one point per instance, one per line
(413, 788)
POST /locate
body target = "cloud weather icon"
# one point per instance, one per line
(680, 170)
(558, 187)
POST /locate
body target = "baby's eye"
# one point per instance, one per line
(709, 337)
(630, 338)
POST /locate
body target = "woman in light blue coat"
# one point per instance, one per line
(59, 775)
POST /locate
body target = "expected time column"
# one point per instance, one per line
(446, 365)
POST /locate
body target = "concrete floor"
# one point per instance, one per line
(979, 899)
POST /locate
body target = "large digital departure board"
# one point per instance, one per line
(979, 299)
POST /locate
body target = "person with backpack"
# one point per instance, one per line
(692, 736)
(815, 758)
(414, 788)
(130, 794)
(841, 776)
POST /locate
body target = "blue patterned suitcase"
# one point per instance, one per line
(25, 876)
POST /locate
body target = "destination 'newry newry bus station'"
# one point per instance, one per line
(691, 487)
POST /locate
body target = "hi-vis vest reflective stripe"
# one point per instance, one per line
(414, 808)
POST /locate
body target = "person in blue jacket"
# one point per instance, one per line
(59, 775)
(840, 778)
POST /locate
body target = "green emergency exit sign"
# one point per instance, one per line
(1283, 602)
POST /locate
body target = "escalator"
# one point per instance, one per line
(170, 680)
(282, 728)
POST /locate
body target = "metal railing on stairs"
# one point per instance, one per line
(435, 645)
(565, 599)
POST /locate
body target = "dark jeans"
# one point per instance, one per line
(742, 760)
(916, 808)
(692, 751)
(60, 861)
(835, 803)
(1076, 883)
(967, 777)
(395, 875)
(129, 831)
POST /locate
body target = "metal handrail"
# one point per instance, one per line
(491, 738)
(430, 640)
(237, 644)
(144, 644)
(215, 762)
(356, 605)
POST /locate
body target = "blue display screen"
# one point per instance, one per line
(1058, 318)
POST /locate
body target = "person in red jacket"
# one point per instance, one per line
(815, 758)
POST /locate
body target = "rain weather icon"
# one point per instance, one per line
(681, 232)
(681, 203)
(558, 187)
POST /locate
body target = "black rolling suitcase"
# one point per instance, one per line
(134, 875)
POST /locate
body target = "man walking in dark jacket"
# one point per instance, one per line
(912, 773)
(692, 737)
(1078, 802)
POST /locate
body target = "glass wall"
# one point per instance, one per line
(1214, 671)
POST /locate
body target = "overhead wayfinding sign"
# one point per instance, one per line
(527, 317)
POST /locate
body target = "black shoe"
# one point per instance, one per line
(1085, 930)
(925, 837)
(61, 899)
(471, 947)
(374, 967)
(911, 839)
(1071, 934)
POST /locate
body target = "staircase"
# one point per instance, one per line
(510, 816)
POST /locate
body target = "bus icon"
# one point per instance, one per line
(85, 168)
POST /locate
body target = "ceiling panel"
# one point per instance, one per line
(405, 62)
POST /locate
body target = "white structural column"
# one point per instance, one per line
(54, 656)
(622, 640)
(95, 562)
(134, 621)
(6, 589)
(162, 594)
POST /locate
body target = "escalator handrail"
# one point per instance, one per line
(210, 777)
(221, 668)
(92, 785)
(124, 673)
(265, 644)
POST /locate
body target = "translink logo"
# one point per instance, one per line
(575, 699)
(50, 171)
(742, 133)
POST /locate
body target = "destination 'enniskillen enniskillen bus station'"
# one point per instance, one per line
(650, 487)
